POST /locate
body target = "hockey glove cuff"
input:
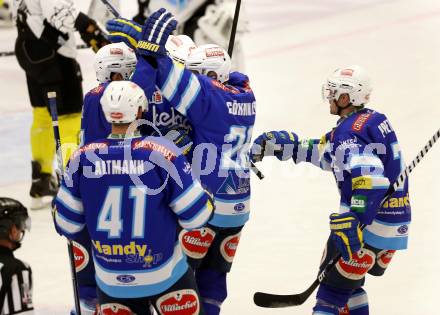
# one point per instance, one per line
(281, 144)
(123, 30)
(346, 234)
(156, 30)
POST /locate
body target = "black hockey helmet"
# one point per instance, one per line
(12, 212)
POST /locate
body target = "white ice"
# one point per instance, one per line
(292, 47)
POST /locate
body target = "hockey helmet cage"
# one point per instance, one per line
(121, 101)
(114, 58)
(210, 58)
(352, 80)
(179, 47)
(12, 212)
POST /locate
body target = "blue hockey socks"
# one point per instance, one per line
(212, 289)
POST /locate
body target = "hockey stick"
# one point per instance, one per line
(254, 168)
(277, 301)
(12, 53)
(56, 131)
(111, 8)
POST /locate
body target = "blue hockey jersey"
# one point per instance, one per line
(132, 194)
(222, 117)
(160, 113)
(365, 157)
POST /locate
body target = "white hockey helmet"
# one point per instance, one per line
(114, 58)
(352, 80)
(179, 47)
(210, 59)
(121, 101)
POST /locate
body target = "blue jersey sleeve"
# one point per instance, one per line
(179, 86)
(188, 200)
(316, 152)
(69, 213)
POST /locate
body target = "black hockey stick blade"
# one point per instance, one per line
(269, 300)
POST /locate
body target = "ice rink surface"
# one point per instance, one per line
(292, 47)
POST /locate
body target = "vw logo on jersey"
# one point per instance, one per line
(239, 207)
(126, 278)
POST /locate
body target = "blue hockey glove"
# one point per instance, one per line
(346, 234)
(282, 144)
(156, 30)
(123, 30)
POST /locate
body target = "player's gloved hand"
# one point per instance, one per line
(346, 234)
(282, 144)
(180, 137)
(123, 30)
(156, 30)
(90, 32)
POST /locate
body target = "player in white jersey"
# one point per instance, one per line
(46, 50)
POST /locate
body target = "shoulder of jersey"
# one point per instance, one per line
(97, 91)
(361, 121)
(241, 80)
(92, 146)
(157, 144)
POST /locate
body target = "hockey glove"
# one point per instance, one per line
(156, 30)
(180, 138)
(90, 32)
(281, 144)
(346, 234)
(123, 30)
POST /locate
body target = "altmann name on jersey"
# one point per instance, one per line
(119, 167)
(241, 109)
(119, 250)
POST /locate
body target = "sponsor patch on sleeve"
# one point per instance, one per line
(358, 203)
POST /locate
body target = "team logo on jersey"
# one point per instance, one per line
(360, 121)
(384, 258)
(228, 247)
(115, 309)
(81, 256)
(356, 268)
(196, 243)
(181, 302)
(156, 98)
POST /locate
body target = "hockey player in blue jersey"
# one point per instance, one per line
(363, 153)
(116, 62)
(221, 108)
(130, 193)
